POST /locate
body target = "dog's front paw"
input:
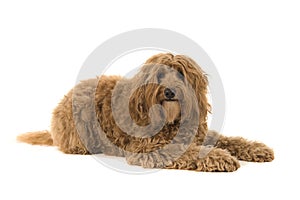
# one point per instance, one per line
(257, 152)
(148, 160)
(217, 160)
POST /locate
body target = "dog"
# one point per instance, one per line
(156, 119)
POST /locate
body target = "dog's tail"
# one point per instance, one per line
(36, 138)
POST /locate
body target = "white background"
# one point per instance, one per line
(254, 45)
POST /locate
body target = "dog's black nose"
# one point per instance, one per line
(169, 94)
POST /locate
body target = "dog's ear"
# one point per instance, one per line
(201, 84)
(142, 95)
(138, 108)
(198, 79)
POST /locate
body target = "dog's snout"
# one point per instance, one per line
(169, 93)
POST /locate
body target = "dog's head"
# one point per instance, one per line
(176, 83)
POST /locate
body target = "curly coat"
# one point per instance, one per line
(157, 119)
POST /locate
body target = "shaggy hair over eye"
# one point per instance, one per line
(157, 119)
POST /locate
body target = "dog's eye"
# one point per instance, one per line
(160, 76)
(180, 75)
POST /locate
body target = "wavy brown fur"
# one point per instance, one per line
(36, 138)
(85, 122)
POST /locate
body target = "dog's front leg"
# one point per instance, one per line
(147, 160)
(240, 147)
(206, 159)
(198, 158)
(157, 158)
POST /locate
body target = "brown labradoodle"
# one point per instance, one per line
(157, 119)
